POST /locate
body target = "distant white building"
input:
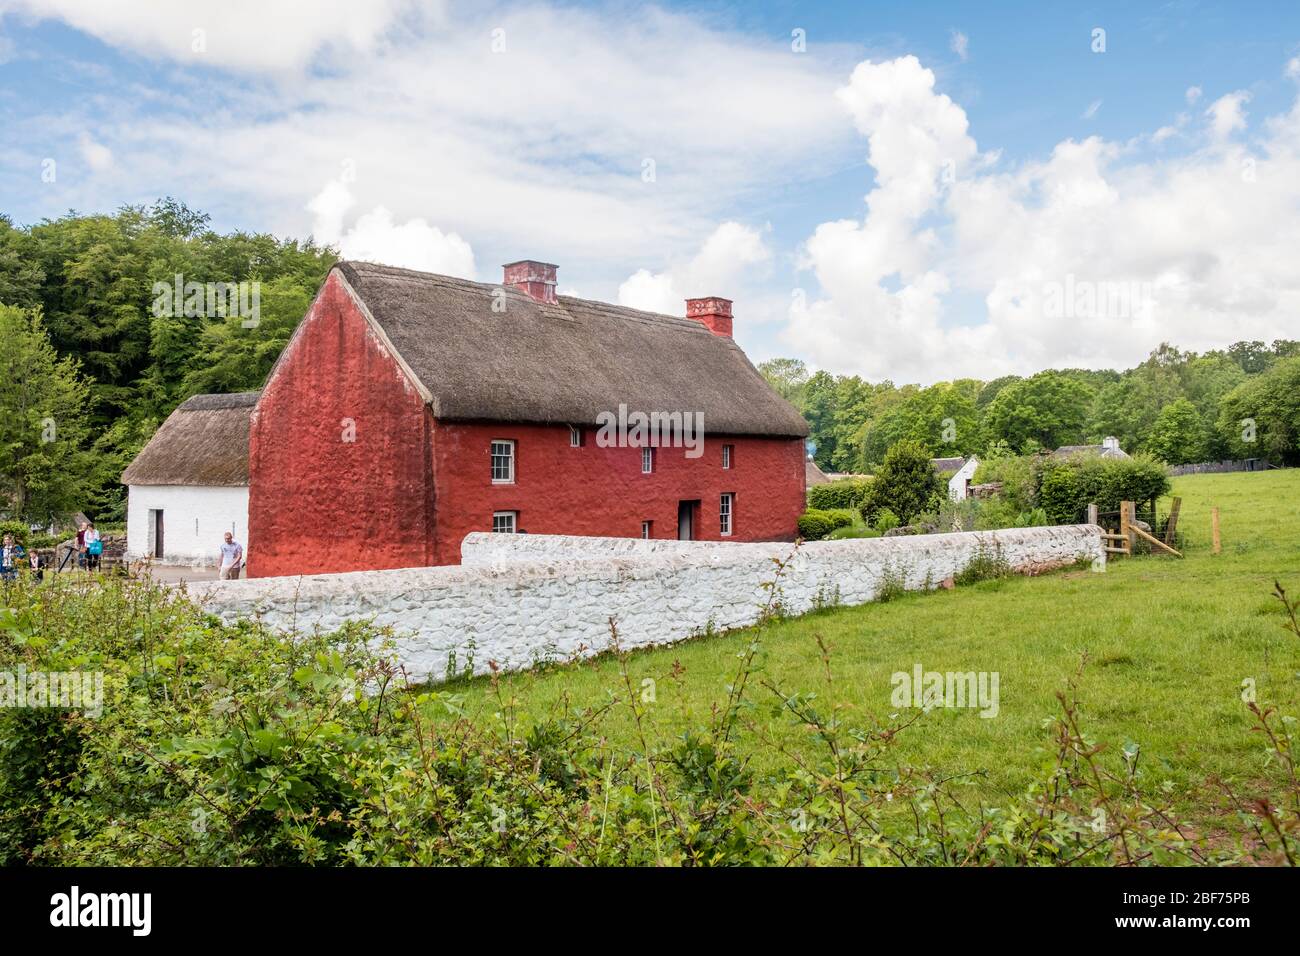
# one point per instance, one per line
(959, 483)
(1109, 448)
(189, 485)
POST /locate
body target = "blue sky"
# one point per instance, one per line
(1004, 156)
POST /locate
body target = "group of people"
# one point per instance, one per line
(89, 550)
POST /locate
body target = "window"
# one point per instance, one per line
(647, 460)
(503, 462)
(503, 522)
(647, 528)
(726, 455)
(575, 436)
(724, 513)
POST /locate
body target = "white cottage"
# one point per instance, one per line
(189, 485)
(959, 483)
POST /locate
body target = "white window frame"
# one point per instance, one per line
(726, 456)
(646, 528)
(510, 460)
(647, 460)
(511, 516)
(575, 436)
(726, 513)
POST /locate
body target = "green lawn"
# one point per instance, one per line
(1168, 645)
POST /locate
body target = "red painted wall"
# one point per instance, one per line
(590, 490)
(407, 489)
(320, 503)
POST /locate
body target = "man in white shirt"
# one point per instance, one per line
(232, 556)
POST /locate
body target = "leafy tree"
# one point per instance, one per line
(788, 376)
(1049, 408)
(1260, 418)
(905, 484)
(43, 462)
(1178, 435)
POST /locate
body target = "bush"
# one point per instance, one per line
(815, 525)
(885, 520)
(988, 564)
(905, 484)
(843, 493)
(1069, 486)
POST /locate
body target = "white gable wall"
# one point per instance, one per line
(957, 483)
(194, 519)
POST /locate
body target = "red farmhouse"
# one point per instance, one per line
(409, 409)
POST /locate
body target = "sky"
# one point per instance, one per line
(911, 191)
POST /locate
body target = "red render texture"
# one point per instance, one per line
(318, 503)
(409, 488)
(591, 490)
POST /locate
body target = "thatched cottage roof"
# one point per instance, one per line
(203, 442)
(562, 363)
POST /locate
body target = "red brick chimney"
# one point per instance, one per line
(713, 312)
(534, 279)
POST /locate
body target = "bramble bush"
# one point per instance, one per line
(228, 744)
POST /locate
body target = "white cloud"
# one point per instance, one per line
(273, 37)
(96, 155)
(723, 266)
(1091, 111)
(376, 237)
(1193, 94)
(1293, 68)
(1226, 114)
(959, 43)
(941, 282)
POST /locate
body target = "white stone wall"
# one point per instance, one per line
(194, 519)
(558, 605)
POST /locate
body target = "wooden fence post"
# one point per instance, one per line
(1092, 513)
(1214, 530)
(1126, 510)
(1172, 524)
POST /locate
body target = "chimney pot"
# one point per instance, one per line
(534, 279)
(713, 312)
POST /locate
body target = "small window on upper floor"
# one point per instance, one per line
(575, 436)
(728, 455)
(647, 460)
(503, 462)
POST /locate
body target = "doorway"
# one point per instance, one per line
(156, 522)
(686, 520)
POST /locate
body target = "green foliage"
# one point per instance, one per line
(1260, 418)
(1068, 486)
(844, 493)
(853, 531)
(44, 465)
(988, 564)
(815, 524)
(19, 529)
(1049, 408)
(885, 520)
(1178, 435)
(905, 483)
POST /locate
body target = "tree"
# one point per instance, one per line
(788, 376)
(1049, 408)
(1178, 435)
(44, 468)
(1260, 418)
(905, 483)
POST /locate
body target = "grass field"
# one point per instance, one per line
(1168, 644)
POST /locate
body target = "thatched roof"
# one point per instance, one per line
(563, 363)
(203, 442)
(814, 475)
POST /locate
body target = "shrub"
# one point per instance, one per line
(987, 564)
(843, 493)
(1068, 486)
(856, 531)
(885, 520)
(815, 525)
(18, 529)
(905, 484)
